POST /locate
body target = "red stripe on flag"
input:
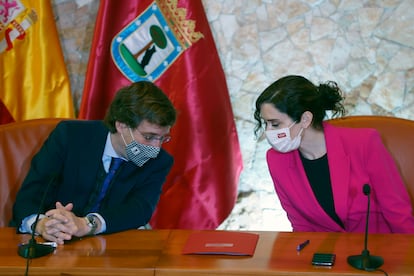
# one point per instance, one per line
(5, 116)
(33, 78)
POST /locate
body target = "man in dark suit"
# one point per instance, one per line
(72, 167)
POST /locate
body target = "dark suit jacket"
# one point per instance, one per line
(70, 161)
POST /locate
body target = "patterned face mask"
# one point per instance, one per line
(138, 153)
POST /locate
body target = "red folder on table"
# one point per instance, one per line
(221, 243)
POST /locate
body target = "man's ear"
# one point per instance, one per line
(120, 126)
(306, 119)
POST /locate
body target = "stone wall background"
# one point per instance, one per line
(364, 45)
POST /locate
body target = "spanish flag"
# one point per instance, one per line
(170, 43)
(33, 79)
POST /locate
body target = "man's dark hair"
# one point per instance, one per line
(137, 102)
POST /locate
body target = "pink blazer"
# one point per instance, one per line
(356, 156)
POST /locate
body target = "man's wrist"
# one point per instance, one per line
(28, 223)
(92, 223)
(33, 227)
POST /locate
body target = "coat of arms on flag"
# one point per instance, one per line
(149, 44)
(34, 82)
(15, 19)
(155, 40)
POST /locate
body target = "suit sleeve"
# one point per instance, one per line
(42, 178)
(132, 206)
(286, 198)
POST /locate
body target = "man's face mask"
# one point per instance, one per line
(139, 153)
(280, 139)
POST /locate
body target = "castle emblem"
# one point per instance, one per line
(15, 19)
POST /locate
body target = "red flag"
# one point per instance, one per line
(170, 43)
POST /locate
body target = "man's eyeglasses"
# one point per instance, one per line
(152, 137)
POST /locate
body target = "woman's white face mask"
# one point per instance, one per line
(281, 141)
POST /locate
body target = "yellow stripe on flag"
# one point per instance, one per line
(34, 82)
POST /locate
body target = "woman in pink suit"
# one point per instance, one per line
(319, 170)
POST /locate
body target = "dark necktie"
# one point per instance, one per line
(115, 163)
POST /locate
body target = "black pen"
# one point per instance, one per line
(302, 245)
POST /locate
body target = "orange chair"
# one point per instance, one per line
(396, 134)
(18, 144)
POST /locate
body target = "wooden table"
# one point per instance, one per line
(158, 252)
(276, 255)
(134, 252)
